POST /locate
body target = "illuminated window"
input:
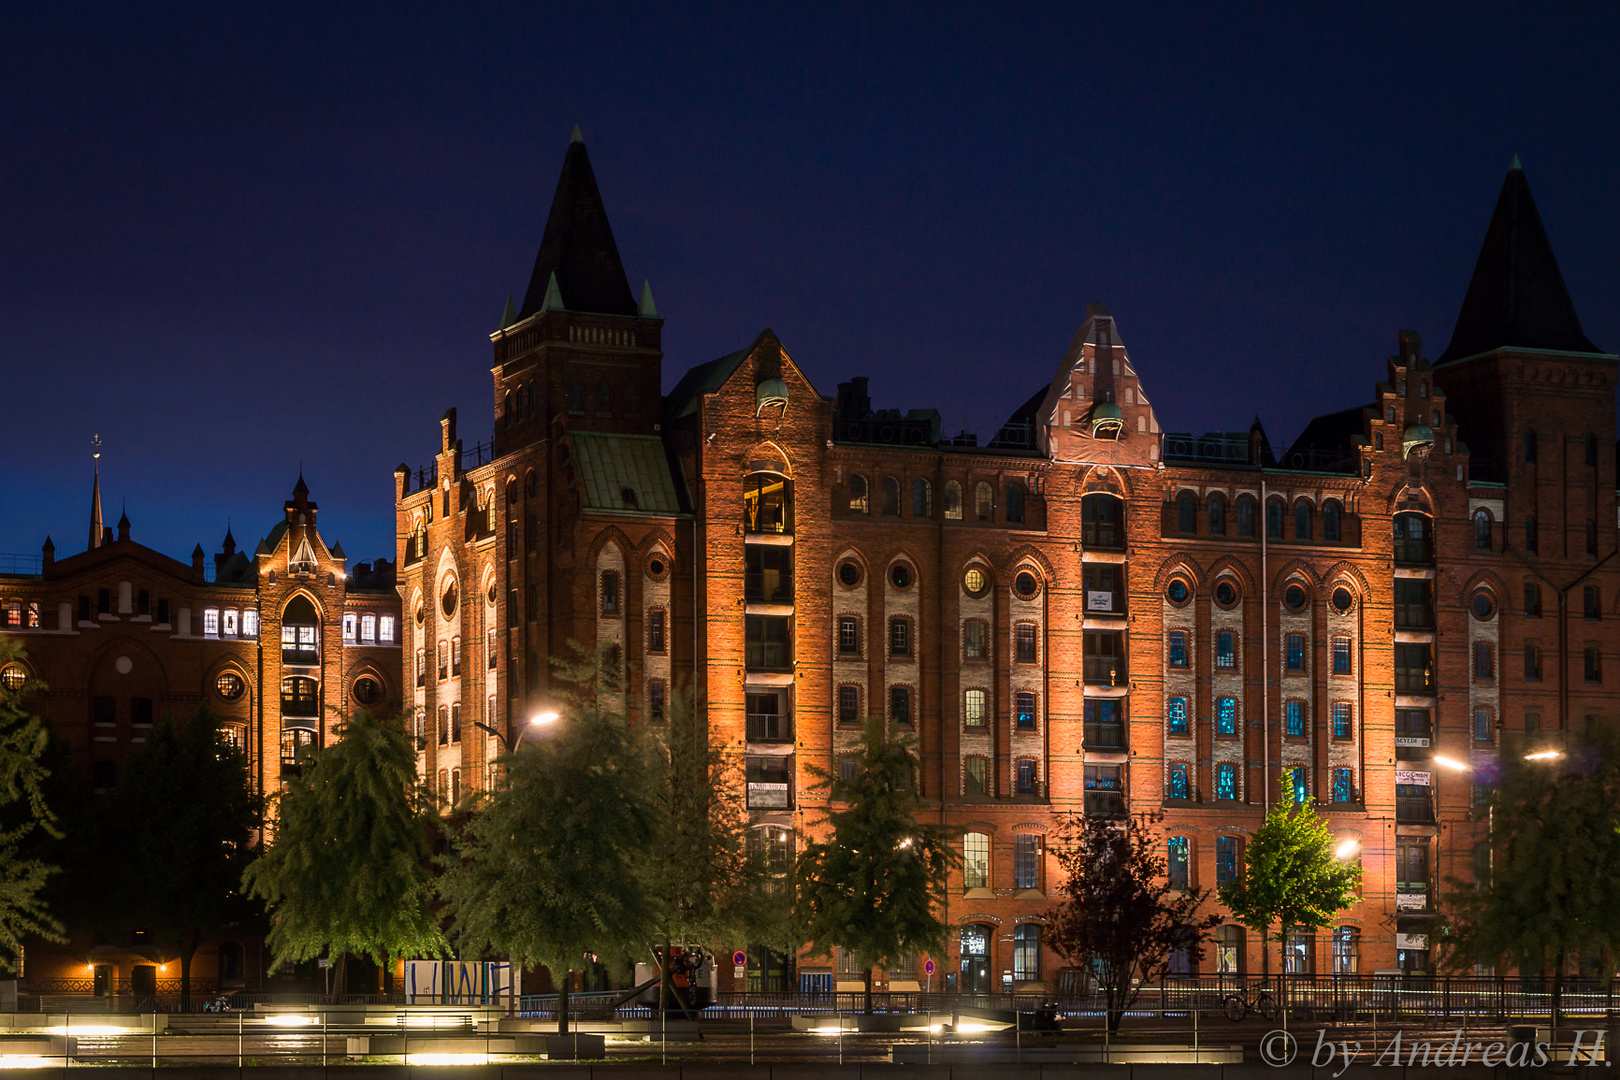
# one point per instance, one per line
(1226, 781)
(1225, 649)
(1226, 858)
(297, 747)
(368, 629)
(1296, 780)
(1344, 786)
(953, 501)
(1294, 718)
(1226, 716)
(983, 502)
(1177, 861)
(1026, 861)
(1342, 720)
(455, 658)
(1026, 952)
(1178, 788)
(975, 861)
(211, 622)
(13, 677)
(858, 498)
(348, 629)
(973, 708)
(444, 660)
(1296, 652)
(1024, 711)
(1176, 715)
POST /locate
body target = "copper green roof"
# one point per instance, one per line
(624, 473)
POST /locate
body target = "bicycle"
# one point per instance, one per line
(1241, 1004)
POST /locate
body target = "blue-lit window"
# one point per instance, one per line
(1176, 715)
(1226, 859)
(1178, 782)
(1226, 716)
(1176, 863)
(1296, 652)
(1342, 720)
(1341, 656)
(1296, 778)
(1294, 718)
(1226, 781)
(1482, 724)
(1178, 648)
(1024, 711)
(1226, 649)
(1344, 786)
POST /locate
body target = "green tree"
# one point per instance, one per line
(1291, 877)
(1120, 917)
(1548, 891)
(551, 868)
(173, 865)
(25, 819)
(347, 871)
(875, 885)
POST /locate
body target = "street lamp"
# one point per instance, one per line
(1347, 850)
(1544, 755)
(538, 720)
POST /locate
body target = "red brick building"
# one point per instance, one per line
(1085, 614)
(282, 643)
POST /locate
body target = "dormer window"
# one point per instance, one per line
(628, 497)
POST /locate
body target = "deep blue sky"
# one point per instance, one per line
(234, 238)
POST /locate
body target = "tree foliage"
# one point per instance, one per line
(875, 884)
(177, 837)
(24, 815)
(1120, 917)
(1291, 878)
(347, 870)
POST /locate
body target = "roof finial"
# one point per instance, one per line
(508, 316)
(1515, 167)
(97, 532)
(576, 137)
(553, 300)
(647, 309)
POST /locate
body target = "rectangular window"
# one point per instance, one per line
(385, 629)
(444, 660)
(1532, 661)
(849, 767)
(1294, 718)
(973, 776)
(455, 722)
(163, 615)
(1176, 862)
(1341, 656)
(1178, 648)
(900, 704)
(770, 782)
(900, 637)
(768, 574)
(1413, 805)
(455, 658)
(1179, 787)
(1104, 587)
(531, 604)
(211, 622)
(655, 700)
(1226, 716)
(1026, 861)
(1482, 724)
(1024, 643)
(491, 647)
(1414, 670)
(1532, 723)
(610, 592)
(1104, 724)
(349, 623)
(767, 720)
(1226, 650)
(1484, 669)
(104, 601)
(1226, 781)
(227, 622)
(1413, 733)
(421, 667)
(1104, 658)
(1343, 720)
(1591, 605)
(975, 861)
(143, 604)
(103, 710)
(769, 644)
(1024, 778)
(1593, 664)
(655, 631)
(973, 708)
(1295, 646)
(1532, 598)
(140, 711)
(1105, 791)
(849, 706)
(1024, 711)
(1296, 781)
(1226, 859)
(1176, 715)
(1412, 865)
(368, 629)
(974, 640)
(849, 635)
(1344, 787)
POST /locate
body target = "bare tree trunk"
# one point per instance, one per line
(1557, 992)
(562, 1001)
(868, 1008)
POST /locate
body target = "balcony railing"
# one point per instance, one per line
(1414, 809)
(770, 727)
(300, 656)
(1105, 804)
(1104, 670)
(768, 586)
(1105, 736)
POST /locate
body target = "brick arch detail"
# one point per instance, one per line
(1031, 554)
(1179, 563)
(659, 537)
(369, 667)
(125, 645)
(1489, 577)
(1347, 569)
(1291, 568)
(1117, 482)
(1417, 495)
(1228, 563)
(768, 448)
(307, 593)
(610, 535)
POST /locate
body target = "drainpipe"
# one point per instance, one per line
(1265, 652)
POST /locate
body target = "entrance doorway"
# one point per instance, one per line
(976, 959)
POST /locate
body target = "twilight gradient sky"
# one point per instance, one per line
(234, 238)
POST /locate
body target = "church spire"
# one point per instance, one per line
(97, 533)
(578, 247)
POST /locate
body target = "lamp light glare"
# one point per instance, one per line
(1543, 755)
(1449, 763)
(1346, 849)
(542, 719)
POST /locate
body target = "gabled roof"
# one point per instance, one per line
(708, 378)
(1517, 296)
(578, 247)
(608, 465)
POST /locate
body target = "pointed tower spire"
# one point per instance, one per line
(578, 247)
(97, 532)
(1515, 166)
(576, 137)
(553, 300)
(300, 488)
(647, 309)
(1517, 295)
(123, 521)
(509, 315)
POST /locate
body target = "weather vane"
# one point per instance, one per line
(96, 444)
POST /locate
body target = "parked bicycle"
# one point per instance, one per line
(1261, 1003)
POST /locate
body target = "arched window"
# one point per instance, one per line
(1245, 515)
(858, 500)
(1302, 520)
(576, 395)
(1330, 521)
(1530, 446)
(891, 497)
(768, 503)
(300, 632)
(1102, 521)
(1187, 512)
(1346, 950)
(1015, 503)
(1274, 519)
(1482, 530)
(604, 398)
(1217, 515)
(984, 501)
(953, 501)
(922, 499)
(1026, 952)
(507, 416)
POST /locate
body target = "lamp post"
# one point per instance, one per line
(538, 720)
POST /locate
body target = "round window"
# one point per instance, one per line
(447, 602)
(900, 576)
(229, 685)
(1484, 606)
(657, 568)
(1343, 600)
(421, 613)
(976, 582)
(13, 677)
(1294, 597)
(492, 594)
(1226, 594)
(1026, 584)
(849, 573)
(367, 691)
(1178, 592)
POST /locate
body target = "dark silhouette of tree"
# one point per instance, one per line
(25, 819)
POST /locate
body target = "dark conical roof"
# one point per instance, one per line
(578, 247)
(300, 488)
(1516, 296)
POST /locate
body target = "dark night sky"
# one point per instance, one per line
(237, 237)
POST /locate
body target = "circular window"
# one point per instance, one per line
(491, 594)
(976, 582)
(1484, 606)
(367, 691)
(1294, 597)
(900, 576)
(1226, 594)
(13, 677)
(229, 685)
(447, 602)
(1343, 599)
(1026, 585)
(849, 573)
(657, 567)
(1178, 592)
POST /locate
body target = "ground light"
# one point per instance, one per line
(447, 1059)
(25, 1061)
(289, 1020)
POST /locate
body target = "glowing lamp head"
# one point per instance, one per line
(1449, 763)
(544, 719)
(1544, 755)
(1347, 849)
